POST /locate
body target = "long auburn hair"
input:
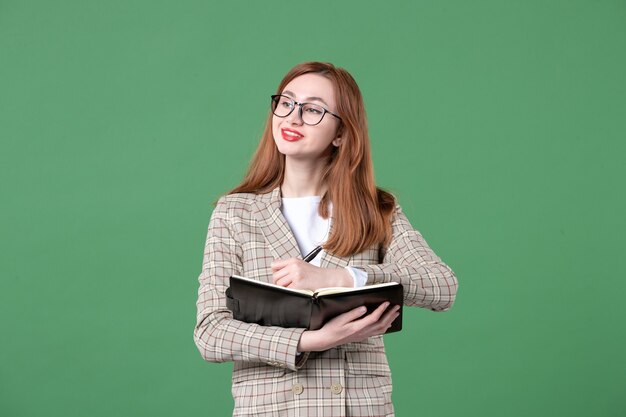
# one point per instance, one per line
(361, 211)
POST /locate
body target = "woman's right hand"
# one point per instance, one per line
(348, 328)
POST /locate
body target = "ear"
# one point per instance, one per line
(337, 141)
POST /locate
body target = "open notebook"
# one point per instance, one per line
(268, 304)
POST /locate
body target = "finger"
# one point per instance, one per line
(376, 314)
(351, 315)
(280, 274)
(381, 326)
(280, 263)
(372, 318)
(276, 265)
(388, 323)
(389, 316)
(298, 285)
(283, 282)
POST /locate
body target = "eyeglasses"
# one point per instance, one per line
(311, 114)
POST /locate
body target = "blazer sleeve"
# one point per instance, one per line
(427, 281)
(218, 336)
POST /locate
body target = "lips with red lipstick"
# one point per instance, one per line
(291, 135)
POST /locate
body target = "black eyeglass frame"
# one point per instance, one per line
(275, 100)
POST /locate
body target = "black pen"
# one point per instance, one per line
(312, 254)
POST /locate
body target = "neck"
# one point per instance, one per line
(302, 178)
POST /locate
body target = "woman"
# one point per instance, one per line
(311, 182)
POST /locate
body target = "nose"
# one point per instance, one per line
(295, 118)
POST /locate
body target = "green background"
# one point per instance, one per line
(499, 125)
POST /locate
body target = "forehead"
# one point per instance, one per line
(312, 85)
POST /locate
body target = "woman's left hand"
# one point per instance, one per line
(297, 274)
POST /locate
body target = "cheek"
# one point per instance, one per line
(327, 136)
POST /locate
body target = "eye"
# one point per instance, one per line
(285, 103)
(313, 109)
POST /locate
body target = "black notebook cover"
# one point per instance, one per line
(271, 305)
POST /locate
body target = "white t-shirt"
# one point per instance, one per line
(311, 230)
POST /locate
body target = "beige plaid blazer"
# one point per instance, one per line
(246, 233)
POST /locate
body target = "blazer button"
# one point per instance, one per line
(336, 389)
(297, 389)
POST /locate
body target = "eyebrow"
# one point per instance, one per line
(307, 98)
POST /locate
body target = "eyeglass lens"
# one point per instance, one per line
(311, 113)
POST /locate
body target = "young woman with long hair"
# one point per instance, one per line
(311, 183)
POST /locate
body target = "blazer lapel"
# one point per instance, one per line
(274, 226)
(280, 239)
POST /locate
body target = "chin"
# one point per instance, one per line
(287, 148)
